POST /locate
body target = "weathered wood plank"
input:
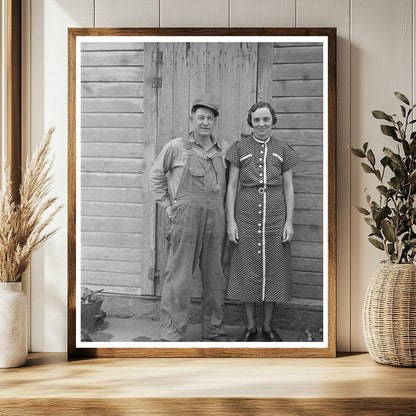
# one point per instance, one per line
(97, 239)
(111, 266)
(114, 180)
(308, 169)
(164, 134)
(197, 56)
(265, 68)
(298, 71)
(247, 83)
(111, 195)
(307, 249)
(111, 134)
(307, 291)
(111, 46)
(117, 165)
(112, 58)
(111, 253)
(298, 104)
(111, 209)
(109, 278)
(181, 99)
(231, 125)
(305, 184)
(300, 137)
(307, 278)
(165, 97)
(111, 89)
(309, 153)
(111, 120)
(297, 88)
(300, 121)
(307, 264)
(112, 74)
(308, 233)
(297, 54)
(307, 201)
(309, 217)
(150, 125)
(118, 150)
(112, 224)
(215, 85)
(111, 105)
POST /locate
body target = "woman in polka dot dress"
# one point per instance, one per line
(260, 220)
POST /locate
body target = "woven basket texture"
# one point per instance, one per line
(390, 315)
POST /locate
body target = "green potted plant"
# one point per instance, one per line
(390, 306)
(23, 228)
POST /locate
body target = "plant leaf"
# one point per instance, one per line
(389, 131)
(382, 189)
(362, 210)
(367, 168)
(357, 152)
(403, 111)
(388, 230)
(381, 115)
(376, 243)
(395, 183)
(402, 97)
(406, 147)
(382, 214)
(390, 248)
(370, 221)
(385, 161)
(371, 158)
(376, 231)
(365, 145)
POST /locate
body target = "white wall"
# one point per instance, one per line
(375, 57)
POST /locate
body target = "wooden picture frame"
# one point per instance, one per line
(130, 91)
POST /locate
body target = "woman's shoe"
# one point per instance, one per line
(249, 335)
(271, 336)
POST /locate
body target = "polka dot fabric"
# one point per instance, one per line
(260, 263)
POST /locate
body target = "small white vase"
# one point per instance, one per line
(13, 325)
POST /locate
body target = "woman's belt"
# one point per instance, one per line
(262, 189)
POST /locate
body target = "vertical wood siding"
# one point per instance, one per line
(112, 165)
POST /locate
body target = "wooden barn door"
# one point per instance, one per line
(229, 72)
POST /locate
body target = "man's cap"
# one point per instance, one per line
(206, 100)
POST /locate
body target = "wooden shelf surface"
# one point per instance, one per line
(126, 386)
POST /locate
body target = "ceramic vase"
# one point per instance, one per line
(13, 325)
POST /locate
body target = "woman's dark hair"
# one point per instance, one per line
(258, 105)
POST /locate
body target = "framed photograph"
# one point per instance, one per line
(202, 192)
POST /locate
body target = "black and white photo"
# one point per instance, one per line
(201, 193)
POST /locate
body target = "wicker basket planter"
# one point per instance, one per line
(390, 315)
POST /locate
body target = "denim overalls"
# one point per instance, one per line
(196, 236)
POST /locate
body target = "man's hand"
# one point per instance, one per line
(168, 211)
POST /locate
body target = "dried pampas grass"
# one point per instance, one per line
(23, 225)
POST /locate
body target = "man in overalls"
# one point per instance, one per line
(188, 181)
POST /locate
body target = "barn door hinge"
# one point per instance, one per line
(158, 57)
(156, 82)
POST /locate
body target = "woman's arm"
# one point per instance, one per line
(232, 230)
(290, 205)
